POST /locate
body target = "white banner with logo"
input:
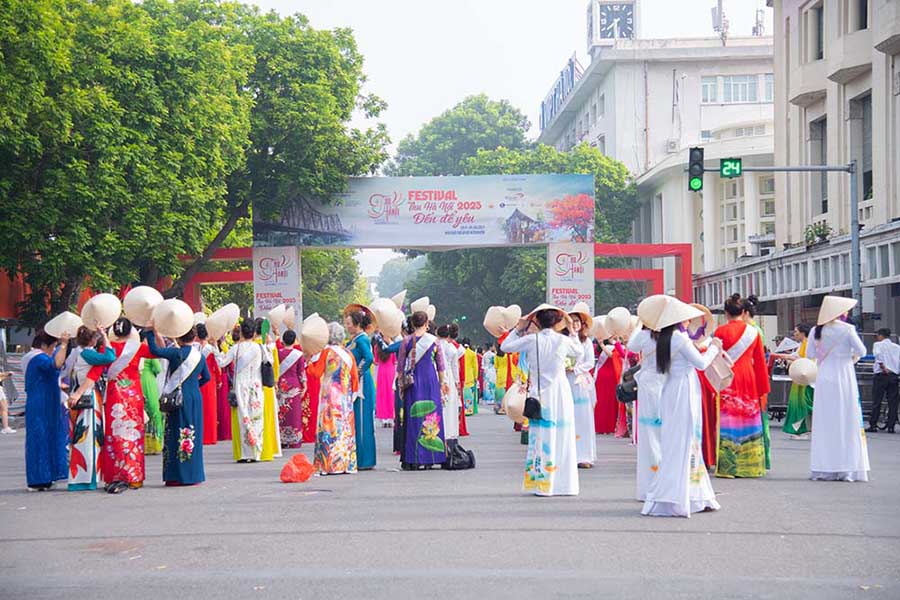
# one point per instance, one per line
(570, 275)
(434, 212)
(276, 279)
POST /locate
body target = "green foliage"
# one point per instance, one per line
(396, 272)
(331, 281)
(474, 124)
(135, 133)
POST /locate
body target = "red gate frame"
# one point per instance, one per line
(654, 277)
(192, 287)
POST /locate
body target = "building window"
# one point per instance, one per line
(856, 14)
(770, 87)
(739, 88)
(602, 106)
(845, 268)
(866, 105)
(884, 268)
(705, 135)
(872, 262)
(814, 26)
(768, 228)
(895, 250)
(601, 144)
(766, 185)
(594, 114)
(709, 90)
(767, 207)
(818, 155)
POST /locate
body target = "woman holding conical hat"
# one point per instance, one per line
(421, 376)
(682, 484)
(291, 388)
(650, 383)
(358, 320)
(248, 415)
(183, 446)
(742, 451)
(551, 464)
(83, 368)
(798, 418)
(584, 393)
(607, 374)
(838, 447)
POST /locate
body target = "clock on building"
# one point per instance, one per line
(616, 20)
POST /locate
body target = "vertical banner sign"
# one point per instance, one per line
(570, 275)
(276, 278)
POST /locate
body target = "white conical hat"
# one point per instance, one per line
(545, 306)
(659, 311)
(173, 318)
(398, 299)
(581, 309)
(290, 317)
(833, 307)
(618, 320)
(101, 311)
(420, 305)
(222, 321)
(66, 323)
(389, 317)
(599, 330)
(313, 335)
(276, 316)
(494, 322)
(803, 371)
(431, 311)
(139, 304)
(199, 317)
(511, 315)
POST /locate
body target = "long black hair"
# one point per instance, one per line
(664, 349)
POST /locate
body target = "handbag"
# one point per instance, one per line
(86, 401)
(627, 390)
(171, 402)
(406, 379)
(533, 405)
(719, 373)
(267, 371)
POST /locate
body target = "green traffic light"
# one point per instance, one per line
(696, 183)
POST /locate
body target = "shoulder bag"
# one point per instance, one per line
(533, 405)
(267, 371)
(172, 398)
(406, 379)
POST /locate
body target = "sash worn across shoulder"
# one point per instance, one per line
(743, 344)
(290, 360)
(128, 352)
(344, 355)
(183, 371)
(425, 342)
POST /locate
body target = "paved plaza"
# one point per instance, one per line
(469, 534)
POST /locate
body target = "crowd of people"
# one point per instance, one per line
(108, 387)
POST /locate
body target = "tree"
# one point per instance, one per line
(305, 85)
(331, 281)
(574, 213)
(124, 122)
(396, 272)
(474, 124)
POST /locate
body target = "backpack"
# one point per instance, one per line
(458, 458)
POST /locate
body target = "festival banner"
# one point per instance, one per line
(276, 279)
(570, 275)
(434, 212)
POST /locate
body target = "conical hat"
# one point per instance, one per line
(618, 320)
(139, 304)
(581, 309)
(494, 322)
(803, 371)
(101, 311)
(660, 311)
(222, 321)
(313, 335)
(598, 329)
(199, 317)
(290, 318)
(544, 306)
(173, 318)
(66, 323)
(431, 311)
(398, 299)
(706, 319)
(276, 316)
(419, 305)
(832, 308)
(511, 315)
(389, 317)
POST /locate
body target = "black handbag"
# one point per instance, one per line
(232, 398)
(169, 403)
(268, 372)
(627, 390)
(533, 405)
(85, 401)
(458, 458)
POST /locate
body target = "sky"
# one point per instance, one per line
(424, 56)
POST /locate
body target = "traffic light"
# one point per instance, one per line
(695, 169)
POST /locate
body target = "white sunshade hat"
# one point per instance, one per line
(660, 311)
(618, 320)
(173, 318)
(313, 335)
(222, 321)
(803, 371)
(101, 310)
(66, 323)
(139, 304)
(833, 307)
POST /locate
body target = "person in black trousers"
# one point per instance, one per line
(885, 383)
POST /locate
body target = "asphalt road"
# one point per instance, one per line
(470, 534)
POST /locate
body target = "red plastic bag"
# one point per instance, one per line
(297, 470)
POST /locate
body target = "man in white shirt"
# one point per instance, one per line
(885, 384)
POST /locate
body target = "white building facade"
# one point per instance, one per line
(644, 102)
(837, 99)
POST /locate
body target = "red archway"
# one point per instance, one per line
(682, 253)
